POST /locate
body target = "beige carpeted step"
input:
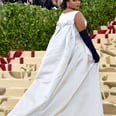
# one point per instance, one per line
(109, 115)
(4, 111)
(18, 74)
(15, 83)
(110, 83)
(26, 60)
(28, 53)
(112, 36)
(108, 76)
(113, 91)
(108, 92)
(109, 108)
(15, 92)
(37, 53)
(9, 104)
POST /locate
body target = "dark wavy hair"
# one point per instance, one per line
(63, 4)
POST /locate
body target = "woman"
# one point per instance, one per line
(67, 83)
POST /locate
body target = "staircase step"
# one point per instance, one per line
(108, 76)
(10, 102)
(109, 115)
(4, 111)
(15, 83)
(15, 92)
(109, 83)
(109, 108)
(18, 74)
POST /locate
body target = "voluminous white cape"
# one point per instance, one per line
(67, 82)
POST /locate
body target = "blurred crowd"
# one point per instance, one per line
(49, 4)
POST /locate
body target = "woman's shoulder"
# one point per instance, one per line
(79, 16)
(68, 16)
(70, 12)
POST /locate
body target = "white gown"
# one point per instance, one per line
(67, 83)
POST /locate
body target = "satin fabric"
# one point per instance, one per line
(67, 82)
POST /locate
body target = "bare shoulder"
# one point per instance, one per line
(79, 16)
(79, 21)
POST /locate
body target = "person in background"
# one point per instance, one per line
(67, 81)
(56, 3)
(1, 1)
(49, 4)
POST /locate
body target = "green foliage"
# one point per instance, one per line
(25, 27)
(30, 27)
(98, 12)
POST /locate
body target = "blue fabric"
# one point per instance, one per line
(87, 40)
